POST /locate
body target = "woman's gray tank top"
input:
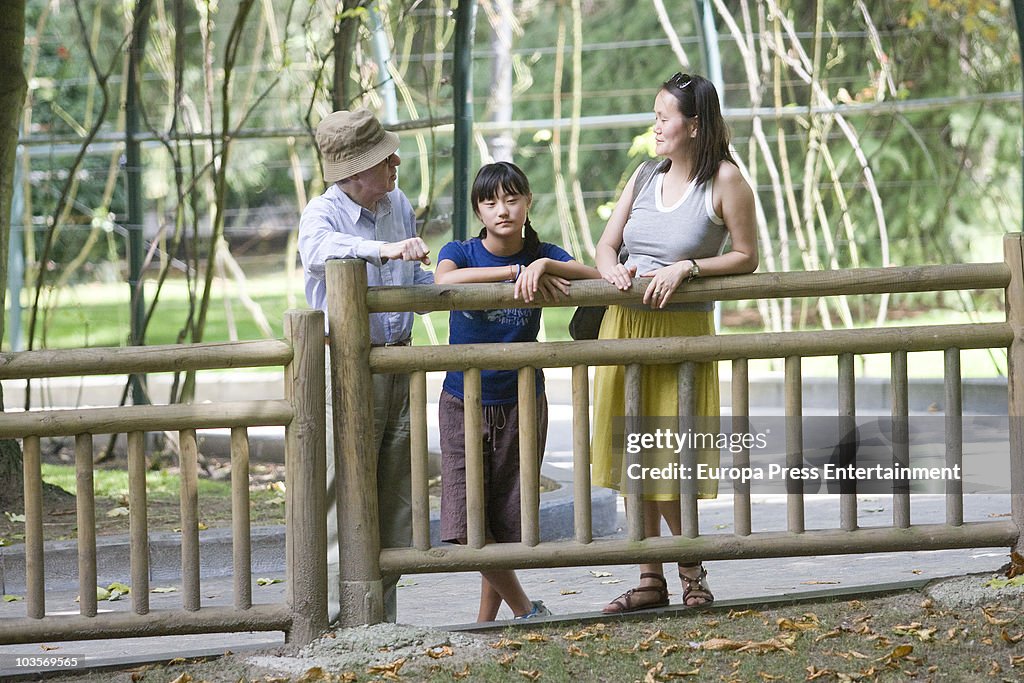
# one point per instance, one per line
(657, 236)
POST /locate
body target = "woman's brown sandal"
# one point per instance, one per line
(696, 587)
(627, 602)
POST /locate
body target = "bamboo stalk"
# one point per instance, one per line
(138, 521)
(664, 350)
(529, 459)
(581, 503)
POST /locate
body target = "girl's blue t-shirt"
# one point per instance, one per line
(503, 325)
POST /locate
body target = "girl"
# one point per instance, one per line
(675, 231)
(507, 250)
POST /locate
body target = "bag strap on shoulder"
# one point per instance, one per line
(643, 176)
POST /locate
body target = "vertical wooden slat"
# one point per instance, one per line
(900, 438)
(305, 473)
(35, 586)
(475, 532)
(418, 446)
(741, 459)
(954, 437)
(1013, 255)
(241, 539)
(582, 520)
(794, 443)
(687, 405)
(138, 521)
(189, 495)
(529, 459)
(362, 590)
(633, 487)
(847, 435)
(86, 504)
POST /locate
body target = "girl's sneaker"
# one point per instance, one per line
(539, 610)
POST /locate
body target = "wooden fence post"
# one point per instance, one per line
(362, 600)
(1013, 251)
(305, 473)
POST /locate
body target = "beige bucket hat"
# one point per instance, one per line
(351, 142)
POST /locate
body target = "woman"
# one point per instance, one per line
(674, 231)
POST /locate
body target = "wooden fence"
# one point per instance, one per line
(350, 302)
(301, 413)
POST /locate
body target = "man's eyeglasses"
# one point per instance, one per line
(680, 80)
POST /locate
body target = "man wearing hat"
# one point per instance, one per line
(363, 215)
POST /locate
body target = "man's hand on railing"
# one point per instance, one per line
(412, 249)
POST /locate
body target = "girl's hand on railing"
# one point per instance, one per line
(534, 279)
(619, 275)
(664, 282)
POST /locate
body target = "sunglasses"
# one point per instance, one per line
(680, 80)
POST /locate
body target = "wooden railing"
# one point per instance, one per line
(350, 302)
(301, 413)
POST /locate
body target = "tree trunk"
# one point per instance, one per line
(12, 98)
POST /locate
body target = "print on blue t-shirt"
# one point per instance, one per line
(502, 325)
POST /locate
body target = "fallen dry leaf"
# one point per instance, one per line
(814, 673)
(534, 637)
(532, 675)
(994, 669)
(1016, 660)
(820, 583)
(440, 651)
(1016, 565)
(461, 674)
(390, 670)
(744, 613)
(47, 648)
(765, 676)
(183, 678)
(507, 659)
(993, 619)
(568, 591)
(575, 651)
(599, 574)
(897, 653)
(1012, 640)
(595, 631)
(834, 633)
(506, 642)
(314, 674)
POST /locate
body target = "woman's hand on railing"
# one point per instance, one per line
(664, 282)
(619, 275)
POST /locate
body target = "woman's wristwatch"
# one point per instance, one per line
(694, 270)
